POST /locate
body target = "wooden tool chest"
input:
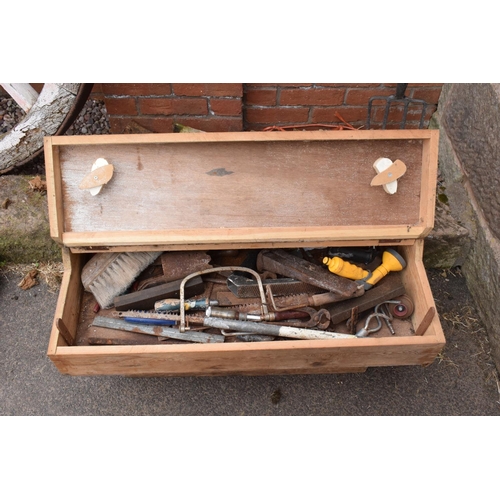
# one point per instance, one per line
(241, 191)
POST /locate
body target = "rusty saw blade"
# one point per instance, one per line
(286, 264)
(248, 288)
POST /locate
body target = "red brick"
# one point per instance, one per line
(357, 97)
(311, 97)
(121, 106)
(294, 85)
(136, 89)
(260, 97)
(213, 124)
(430, 95)
(347, 85)
(173, 106)
(141, 125)
(97, 92)
(277, 115)
(396, 125)
(208, 89)
(226, 107)
(425, 85)
(260, 85)
(351, 115)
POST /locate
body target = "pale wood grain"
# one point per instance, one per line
(23, 93)
(247, 188)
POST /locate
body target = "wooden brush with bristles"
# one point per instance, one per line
(108, 275)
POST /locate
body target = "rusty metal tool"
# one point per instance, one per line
(378, 315)
(250, 327)
(317, 319)
(174, 266)
(244, 287)
(388, 289)
(173, 305)
(158, 331)
(227, 313)
(145, 299)
(191, 319)
(197, 275)
(286, 264)
(397, 99)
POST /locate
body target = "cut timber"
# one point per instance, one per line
(23, 93)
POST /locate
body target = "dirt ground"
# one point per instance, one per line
(467, 346)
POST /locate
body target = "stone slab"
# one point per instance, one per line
(471, 119)
(469, 160)
(448, 244)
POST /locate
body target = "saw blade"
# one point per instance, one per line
(153, 315)
(248, 288)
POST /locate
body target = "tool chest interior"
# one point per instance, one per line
(228, 200)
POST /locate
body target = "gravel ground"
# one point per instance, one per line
(92, 120)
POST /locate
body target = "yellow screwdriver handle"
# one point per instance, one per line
(340, 267)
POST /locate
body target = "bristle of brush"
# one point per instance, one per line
(119, 275)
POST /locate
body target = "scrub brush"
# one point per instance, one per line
(108, 275)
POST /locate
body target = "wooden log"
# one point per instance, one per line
(45, 117)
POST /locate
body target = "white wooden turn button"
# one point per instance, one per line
(388, 173)
(100, 174)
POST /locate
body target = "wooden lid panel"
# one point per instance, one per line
(292, 186)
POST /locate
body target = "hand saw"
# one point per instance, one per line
(248, 288)
(155, 316)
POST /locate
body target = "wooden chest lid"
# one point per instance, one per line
(223, 190)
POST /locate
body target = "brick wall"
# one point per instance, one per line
(156, 107)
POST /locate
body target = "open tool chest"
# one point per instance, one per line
(236, 201)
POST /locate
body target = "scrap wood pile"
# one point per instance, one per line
(244, 295)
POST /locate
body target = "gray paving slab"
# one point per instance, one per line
(462, 381)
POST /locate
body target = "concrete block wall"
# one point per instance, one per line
(217, 107)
